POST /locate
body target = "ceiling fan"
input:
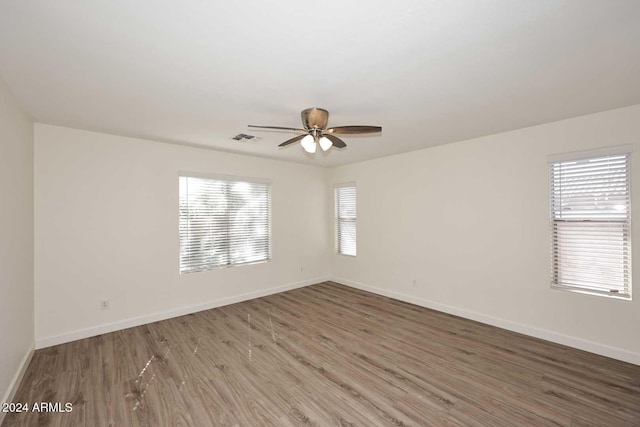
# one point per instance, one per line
(315, 132)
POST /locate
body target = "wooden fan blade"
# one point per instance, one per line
(277, 127)
(344, 130)
(337, 142)
(292, 140)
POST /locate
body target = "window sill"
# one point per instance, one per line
(592, 293)
(223, 267)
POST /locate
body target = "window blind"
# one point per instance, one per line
(591, 224)
(346, 219)
(223, 223)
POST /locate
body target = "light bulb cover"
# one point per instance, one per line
(325, 143)
(308, 144)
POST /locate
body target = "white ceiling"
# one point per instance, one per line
(428, 72)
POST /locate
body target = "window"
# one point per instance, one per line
(591, 223)
(223, 223)
(346, 219)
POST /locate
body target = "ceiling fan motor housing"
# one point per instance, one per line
(315, 118)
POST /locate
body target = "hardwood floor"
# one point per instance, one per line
(325, 355)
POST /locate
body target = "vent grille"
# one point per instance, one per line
(243, 137)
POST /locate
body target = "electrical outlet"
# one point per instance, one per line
(414, 282)
(301, 269)
(104, 304)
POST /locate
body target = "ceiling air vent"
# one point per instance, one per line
(243, 137)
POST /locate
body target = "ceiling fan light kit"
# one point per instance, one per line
(315, 132)
(325, 143)
(308, 144)
(312, 140)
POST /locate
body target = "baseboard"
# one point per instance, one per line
(17, 379)
(545, 334)
(155, 317)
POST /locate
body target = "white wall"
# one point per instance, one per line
(16, 241)
(469, 222)
(106, 226)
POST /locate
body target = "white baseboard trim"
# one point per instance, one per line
(155, 317)
(17, 379)
(545, 334)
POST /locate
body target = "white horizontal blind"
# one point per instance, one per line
(591, 225)
(346, 219)
(223, 223)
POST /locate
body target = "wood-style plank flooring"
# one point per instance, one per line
(325, 355)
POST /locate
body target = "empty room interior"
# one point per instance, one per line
(410, 213)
